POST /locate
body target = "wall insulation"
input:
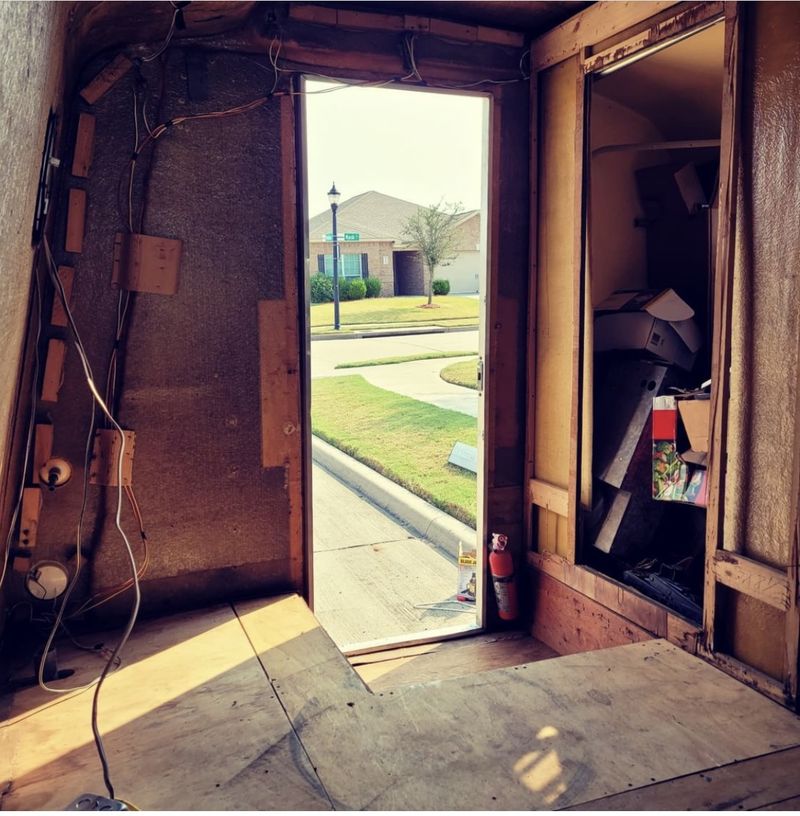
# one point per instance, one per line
(217, 522)
(766, 319)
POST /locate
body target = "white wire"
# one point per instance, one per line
(31, 426)
(159, 51)
(118, 517)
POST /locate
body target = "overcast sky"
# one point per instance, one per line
(413, 145)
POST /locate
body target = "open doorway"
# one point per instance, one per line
(653, 148)
(396, 201)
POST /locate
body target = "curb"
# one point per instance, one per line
(394, 332)
(423, 518)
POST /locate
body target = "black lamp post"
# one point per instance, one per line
(333, 196)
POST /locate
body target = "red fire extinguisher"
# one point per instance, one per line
(501, 565)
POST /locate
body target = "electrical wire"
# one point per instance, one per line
(100, 403)
(163, 47)
(31, 423)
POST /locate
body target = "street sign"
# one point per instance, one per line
(329, 236)
(352, 236)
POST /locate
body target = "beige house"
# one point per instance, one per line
(383, 252)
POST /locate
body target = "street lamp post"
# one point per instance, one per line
(333, 196)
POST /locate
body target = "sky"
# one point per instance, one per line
(418, 146)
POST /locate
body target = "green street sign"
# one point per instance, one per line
(352, 236)
(329, 236)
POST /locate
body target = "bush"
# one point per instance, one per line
(373, 287)
(352, 289)
(441, 286)
(321, 288)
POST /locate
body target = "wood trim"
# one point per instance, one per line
(723, 296)
(767, 584)
(42, 448)
(620, 599)
(754, 678)
(549, 497)
(578, 291)
(593, 25)
(378, 21)
(530, 344)
(686, 22)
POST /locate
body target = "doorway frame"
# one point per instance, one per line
(488, 352)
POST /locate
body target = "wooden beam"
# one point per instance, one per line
(686, 22)
(549, 497)
(378, 21)
(593, 25)
(768, 686)
(723, 300)
(767, 584)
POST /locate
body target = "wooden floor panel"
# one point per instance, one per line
(255, 708)
(190, 722)
(544, 735)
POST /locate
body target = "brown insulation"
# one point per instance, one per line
(217, 522)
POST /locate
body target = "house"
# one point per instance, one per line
(383, 251)
(155, 442)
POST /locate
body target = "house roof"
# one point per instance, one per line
(375, 216)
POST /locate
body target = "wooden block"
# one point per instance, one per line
(29, 516)
(768, 584)
(53, 370)
(76, 220)
(106, 79)
(58, 317)
(549, 497)
(42, 448)
(84, 146)
(104, 469)
(146, 263)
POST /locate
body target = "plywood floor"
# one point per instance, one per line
(253, 707)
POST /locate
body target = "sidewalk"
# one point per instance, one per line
(373, 578)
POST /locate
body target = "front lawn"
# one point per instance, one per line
(406, 440)
(464, 373)
(375, 313)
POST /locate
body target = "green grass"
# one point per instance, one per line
(465, 374)
(394, 312)
(431, 355)
(406, 440)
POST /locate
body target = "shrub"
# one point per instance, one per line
(441, 286)
(373, 287)
(351, 289)
(321, 288)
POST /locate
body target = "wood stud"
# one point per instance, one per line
(76, 220)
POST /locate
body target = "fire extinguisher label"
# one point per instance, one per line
(502, 588)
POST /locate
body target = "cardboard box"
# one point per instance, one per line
(674, 479)
(695, 415)
(660, 323)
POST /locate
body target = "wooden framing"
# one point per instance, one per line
(281, 417)
(683, 24)
(76, 220)
(599, 21)
(604, 36)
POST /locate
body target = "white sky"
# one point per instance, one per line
(418, 146)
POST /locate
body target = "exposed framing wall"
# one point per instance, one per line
(603, 34)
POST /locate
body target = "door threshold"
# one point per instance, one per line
(401, 641)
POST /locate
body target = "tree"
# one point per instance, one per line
(432, 229)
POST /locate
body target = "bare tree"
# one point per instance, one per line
(432, 229)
